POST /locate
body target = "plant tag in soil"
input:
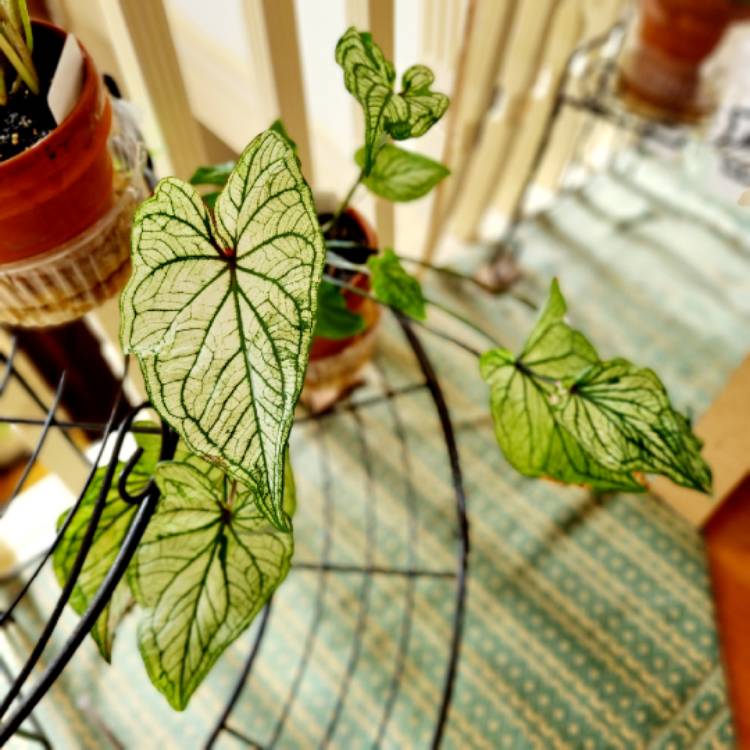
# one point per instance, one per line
(66, 84)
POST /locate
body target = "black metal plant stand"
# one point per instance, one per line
(17, 707)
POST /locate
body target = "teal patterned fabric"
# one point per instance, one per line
(589, 621)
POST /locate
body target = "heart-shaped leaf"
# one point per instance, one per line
(220, 312)
(622, 412)
(369, 77)
(110, 532)
(562, 413)
(400, 175)
(393, 285)
(208, 562)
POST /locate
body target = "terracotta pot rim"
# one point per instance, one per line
(88, 91)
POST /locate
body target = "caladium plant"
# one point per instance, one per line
(227, 291)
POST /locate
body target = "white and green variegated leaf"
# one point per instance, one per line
(369, 77)
(220, 312)
(208, 562)
(394, 286)
(623, 413)
(529, 435)
(399, 175)
(110, 533)
(560, 412)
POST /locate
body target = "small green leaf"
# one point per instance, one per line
(392, 284)
(213, 174)
(208, 562)
(210, 198)
(335, 320)
(220, 312)
(110, 533)
(562, 413)
(400, 175)
(369, 77)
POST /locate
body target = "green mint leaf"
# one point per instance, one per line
(278, 127)
(208, 562)
(220, 312)
(110, 533)
(369, 77)
(392, 284)
(400, 175)
(561, 413)
(335, 320)
(213, 174)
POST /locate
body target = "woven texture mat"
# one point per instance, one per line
(589, 621)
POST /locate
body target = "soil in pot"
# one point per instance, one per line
(26, 118)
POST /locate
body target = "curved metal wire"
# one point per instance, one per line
(14, 693)
(367, 570)
(461, 520)
(19, 702)
(413, 532)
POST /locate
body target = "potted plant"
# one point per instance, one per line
(221, 311)
(674, 38)
(64, 211)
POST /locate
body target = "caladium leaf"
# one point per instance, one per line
(562, 413)
(400, 175)
(622, 412)
(220, 312)
(369, 77)
(208, 562)
(218, 174)
(335, 320)
(393, 285)
(528, 434)
(110, 533)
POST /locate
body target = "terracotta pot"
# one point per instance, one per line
(369, 310)
(62, 184)
(674, 40)
(336, 365)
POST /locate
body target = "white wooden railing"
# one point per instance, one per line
(201, 100)
(502, 60)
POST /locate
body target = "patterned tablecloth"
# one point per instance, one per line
(589, 620)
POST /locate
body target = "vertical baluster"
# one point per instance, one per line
(598, 16)
(143, 44)
(383, 26)
(486, 31)
(284, 51)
